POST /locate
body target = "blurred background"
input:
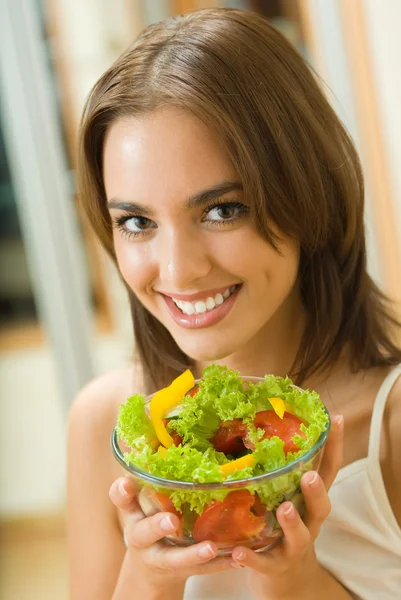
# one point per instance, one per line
(63, 313)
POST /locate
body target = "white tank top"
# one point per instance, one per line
(360, 542)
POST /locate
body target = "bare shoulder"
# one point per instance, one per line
(391, 434)
(91, 421)
(392, 419)
(96, 547)
(101, 397)
(394, 401)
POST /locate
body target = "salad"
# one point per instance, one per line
(222, 434)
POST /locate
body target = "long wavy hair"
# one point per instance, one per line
(296, 162)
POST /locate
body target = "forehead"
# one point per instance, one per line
(168, 153)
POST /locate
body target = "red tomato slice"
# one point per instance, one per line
(194, 391)
(229, 521)
(284, 428)
(258, 508)
(177, 439)
(166, 505)
(163, 503)
(229, 437)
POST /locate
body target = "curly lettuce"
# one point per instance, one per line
(134, 427)
(222, 396)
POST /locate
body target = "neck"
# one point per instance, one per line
(274, 348)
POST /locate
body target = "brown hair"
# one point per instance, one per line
(296, 162)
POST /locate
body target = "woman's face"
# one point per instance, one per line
(184, 236)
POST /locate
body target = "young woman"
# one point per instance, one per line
(212, 167)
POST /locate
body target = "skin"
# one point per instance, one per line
(183, 251)
(186, 253)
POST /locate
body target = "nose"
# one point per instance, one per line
(182, 258)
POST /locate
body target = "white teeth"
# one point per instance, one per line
(210, 303)
(219, 299)
(200, 307)
(187, 308)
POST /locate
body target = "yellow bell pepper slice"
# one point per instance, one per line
(165, 399)
(278, 406)
(240, 463)
(288, 408)
(182, 384)
(162, 451)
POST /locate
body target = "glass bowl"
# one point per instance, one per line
(236, 516)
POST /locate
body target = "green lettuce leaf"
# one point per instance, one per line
(223, 396)
(181, 463)
(133, 424)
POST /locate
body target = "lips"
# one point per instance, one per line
(204, 305)
(201, 315)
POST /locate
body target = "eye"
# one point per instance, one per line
(138, 224)
(134, 226)
(225, 212)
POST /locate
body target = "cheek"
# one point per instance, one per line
(254, 261)
(135, 264)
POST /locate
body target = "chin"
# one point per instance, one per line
(210, 350)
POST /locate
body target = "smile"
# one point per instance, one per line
(202, 312)
(206, 305)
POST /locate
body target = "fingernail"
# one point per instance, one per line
(166, 524)
(236, 565)
(289, 513)
(122, 490)
(312, 479)
(239, 556)
(339, 422)
(206, 551)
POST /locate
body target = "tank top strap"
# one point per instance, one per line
(377, 416)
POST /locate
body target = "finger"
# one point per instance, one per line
(318, 504)
(333, 452)
(122, 493)
(296, 541)
(143, 533)
(198, 559)
(296, 534)
(245, 557)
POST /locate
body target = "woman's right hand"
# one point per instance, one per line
(150, 563)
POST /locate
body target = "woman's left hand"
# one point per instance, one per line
(291, 570)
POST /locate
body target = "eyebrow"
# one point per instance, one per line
(198, 199)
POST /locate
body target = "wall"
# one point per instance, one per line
(33, 416)
(383, 24)
(32, 409)
(33, 420)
